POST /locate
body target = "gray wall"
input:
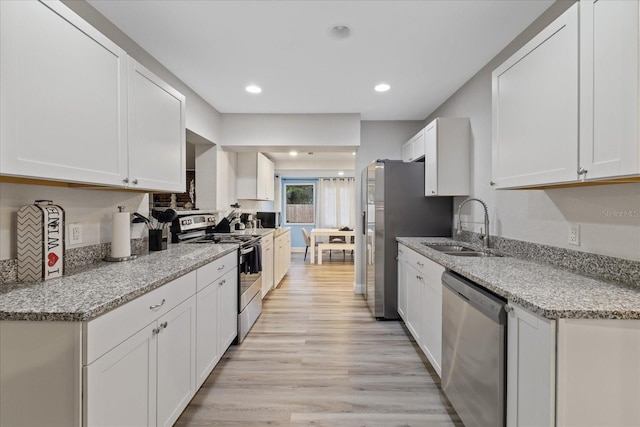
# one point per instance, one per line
(607, 215)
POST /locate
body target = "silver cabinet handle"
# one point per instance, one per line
(164, 325)
(582, 171)
(433, 191)
(126, 180)
(155, 331)
(153, 307)
(420, 264)
(492, 183)
(134, 182)
(221, 268)
(222, 282)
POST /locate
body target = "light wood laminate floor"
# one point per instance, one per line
(316, 357)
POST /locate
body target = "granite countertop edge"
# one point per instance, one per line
(59, 294)
(545, 290)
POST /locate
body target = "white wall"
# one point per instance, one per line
(277, 130)
(201, 117)
(379, 140)
(91, 208)
(609, 216)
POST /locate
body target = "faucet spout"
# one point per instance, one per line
(485, 237)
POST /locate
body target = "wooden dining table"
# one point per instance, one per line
(316, 232)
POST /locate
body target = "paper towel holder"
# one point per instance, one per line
(124, 258)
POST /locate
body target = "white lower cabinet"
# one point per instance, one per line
(420, 287)
(148, 378)
(217, 315)
(402, 282)
(414, 303)
(108, 402)
(531, 350)
(137, 365)
(267, 263)
(282, 256)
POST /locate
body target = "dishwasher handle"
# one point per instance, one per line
(484, 301)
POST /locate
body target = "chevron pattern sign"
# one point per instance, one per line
(40, 242)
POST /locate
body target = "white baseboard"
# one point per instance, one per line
(358, 288)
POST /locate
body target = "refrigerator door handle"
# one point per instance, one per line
(364, 223)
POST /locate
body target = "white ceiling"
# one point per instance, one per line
(424, 49)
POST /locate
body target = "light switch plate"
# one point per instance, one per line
(574, 234)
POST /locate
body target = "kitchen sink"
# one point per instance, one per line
(457, 250)
(449, 248)
(473, 254)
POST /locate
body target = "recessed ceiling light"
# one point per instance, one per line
(339, 31)
(340, 173)
(382, 87)
(253, 89)
(293, 153)
(353, 153)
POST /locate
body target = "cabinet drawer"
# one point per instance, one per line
(207, 274)
(430, 269)
(112, 328)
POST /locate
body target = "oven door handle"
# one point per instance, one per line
(247, 251)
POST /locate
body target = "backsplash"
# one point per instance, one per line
(584, 263)
(74, 259)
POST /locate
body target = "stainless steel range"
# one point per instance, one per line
(200, 229)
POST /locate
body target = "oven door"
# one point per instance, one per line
(250, 287)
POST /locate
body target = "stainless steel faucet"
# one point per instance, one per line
(485, 237)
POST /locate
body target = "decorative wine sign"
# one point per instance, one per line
(40, 241)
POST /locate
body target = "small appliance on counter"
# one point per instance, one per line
(40, 241)
(269, 219)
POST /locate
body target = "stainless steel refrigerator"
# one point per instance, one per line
(394, 205)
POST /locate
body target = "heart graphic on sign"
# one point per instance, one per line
(53, 258)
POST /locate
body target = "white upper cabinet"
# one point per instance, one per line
(414, 149)
(535, 109)
(157, 158)
(446, 163)
(609, 74)
(255, 177)
(76, 108)
(63, 86)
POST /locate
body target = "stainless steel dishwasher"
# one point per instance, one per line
(473, 352)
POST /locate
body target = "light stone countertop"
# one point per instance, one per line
(548, 291)
(102, 287)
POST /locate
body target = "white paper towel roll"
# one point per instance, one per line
(121, 235)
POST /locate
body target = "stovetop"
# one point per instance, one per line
(226, 238)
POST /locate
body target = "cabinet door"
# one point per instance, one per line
(531, 371)
(267, 265)
(207, 332)
(402, 282)
(63, 88)
(431, 159)
(157, 159)
(415, 283)
(120, 387)
(176, 361)
(269, 180)
(228, 309)
(407, 151)
(431, 343)
(535, 109)
(609, 42)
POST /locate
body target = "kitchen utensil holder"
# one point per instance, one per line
(158, 240)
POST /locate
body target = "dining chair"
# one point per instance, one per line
(307, 241)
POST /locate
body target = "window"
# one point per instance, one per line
(300, 207)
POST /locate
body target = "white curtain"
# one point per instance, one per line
(337, 202)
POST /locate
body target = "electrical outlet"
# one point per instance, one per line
(574, 234)
(75, 234)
